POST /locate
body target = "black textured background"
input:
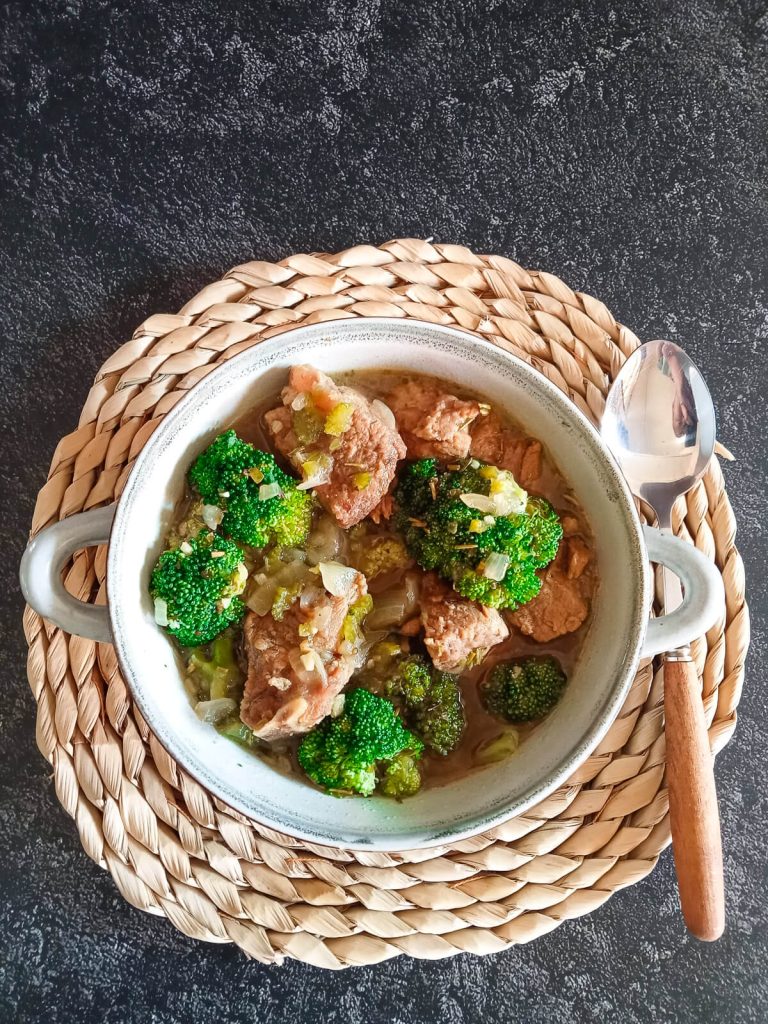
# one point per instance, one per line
(146, 148)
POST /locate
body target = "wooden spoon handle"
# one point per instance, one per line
(693, 803)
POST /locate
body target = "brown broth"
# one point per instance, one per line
(481, 727)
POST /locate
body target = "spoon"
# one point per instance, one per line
(659, 422)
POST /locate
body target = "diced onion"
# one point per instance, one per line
(411, 584)
(261, 596)
(326, 542)
(508, 496)
(314, 481)
(384, 413)
(338, 705)
(267, 491)
(495, 567)
(315, 468)
(212, 516)
(215, 710)
(310, 671)
(299, 401)
(161, 611)
(388, 610)
(292, 555)
(337, 579)
(479, 501)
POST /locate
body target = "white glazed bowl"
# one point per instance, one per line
(618, 633)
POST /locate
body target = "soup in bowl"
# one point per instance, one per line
(375, 584)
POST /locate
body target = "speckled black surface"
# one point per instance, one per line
(148, 147)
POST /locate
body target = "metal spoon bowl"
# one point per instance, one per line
(659, 422)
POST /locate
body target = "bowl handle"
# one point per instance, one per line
(40, 573)
(704, 600)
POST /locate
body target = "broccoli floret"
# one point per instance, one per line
(476, 527)
(431, 702)
(410, 682)
(341, 753)
(523, 689)
(196, 588)
(377, 556)
(260, 502)
(402, 776)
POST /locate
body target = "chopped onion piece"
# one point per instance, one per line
(308, 667)
(292, 555)
(212, 516)
(495, 567)
(326, 541)
(261, 599)
(479, 501)
(384, 413)
(214, 710)
(299, 401)
(393, 606)
(337, 579)
(161, 611)
(338, 705)
(267, 491)
(508, 496)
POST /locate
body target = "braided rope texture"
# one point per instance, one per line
(172, 848)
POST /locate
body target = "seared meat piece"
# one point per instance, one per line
(433, 423)
(455, 628)
(496, 444)
(579, 556)
(364, 454)
(559, 608)
(282, 695)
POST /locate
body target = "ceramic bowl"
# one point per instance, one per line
(619, 634)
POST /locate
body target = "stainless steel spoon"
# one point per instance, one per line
(659, 422)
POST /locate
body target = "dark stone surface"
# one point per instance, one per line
(147, 148)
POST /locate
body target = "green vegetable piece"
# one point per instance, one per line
(199, 590)
(220, 673)
(351, 629)
(441, 532)
(432, 704)
(499, 748)
(307, 424)
(340, 754)
(380, 556)
(284, 598)
(523, 689)
(239, 732)
(401, 776)
(231, 473)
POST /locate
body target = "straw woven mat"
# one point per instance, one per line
(174, 849)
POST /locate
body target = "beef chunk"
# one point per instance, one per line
(455, 628)
(364, 456)
(500, 446)
(433, 423)
(282, 696)
(559, 608)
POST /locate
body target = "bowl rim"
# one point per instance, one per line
(472, 826)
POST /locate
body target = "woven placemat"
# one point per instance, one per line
(174, 849)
